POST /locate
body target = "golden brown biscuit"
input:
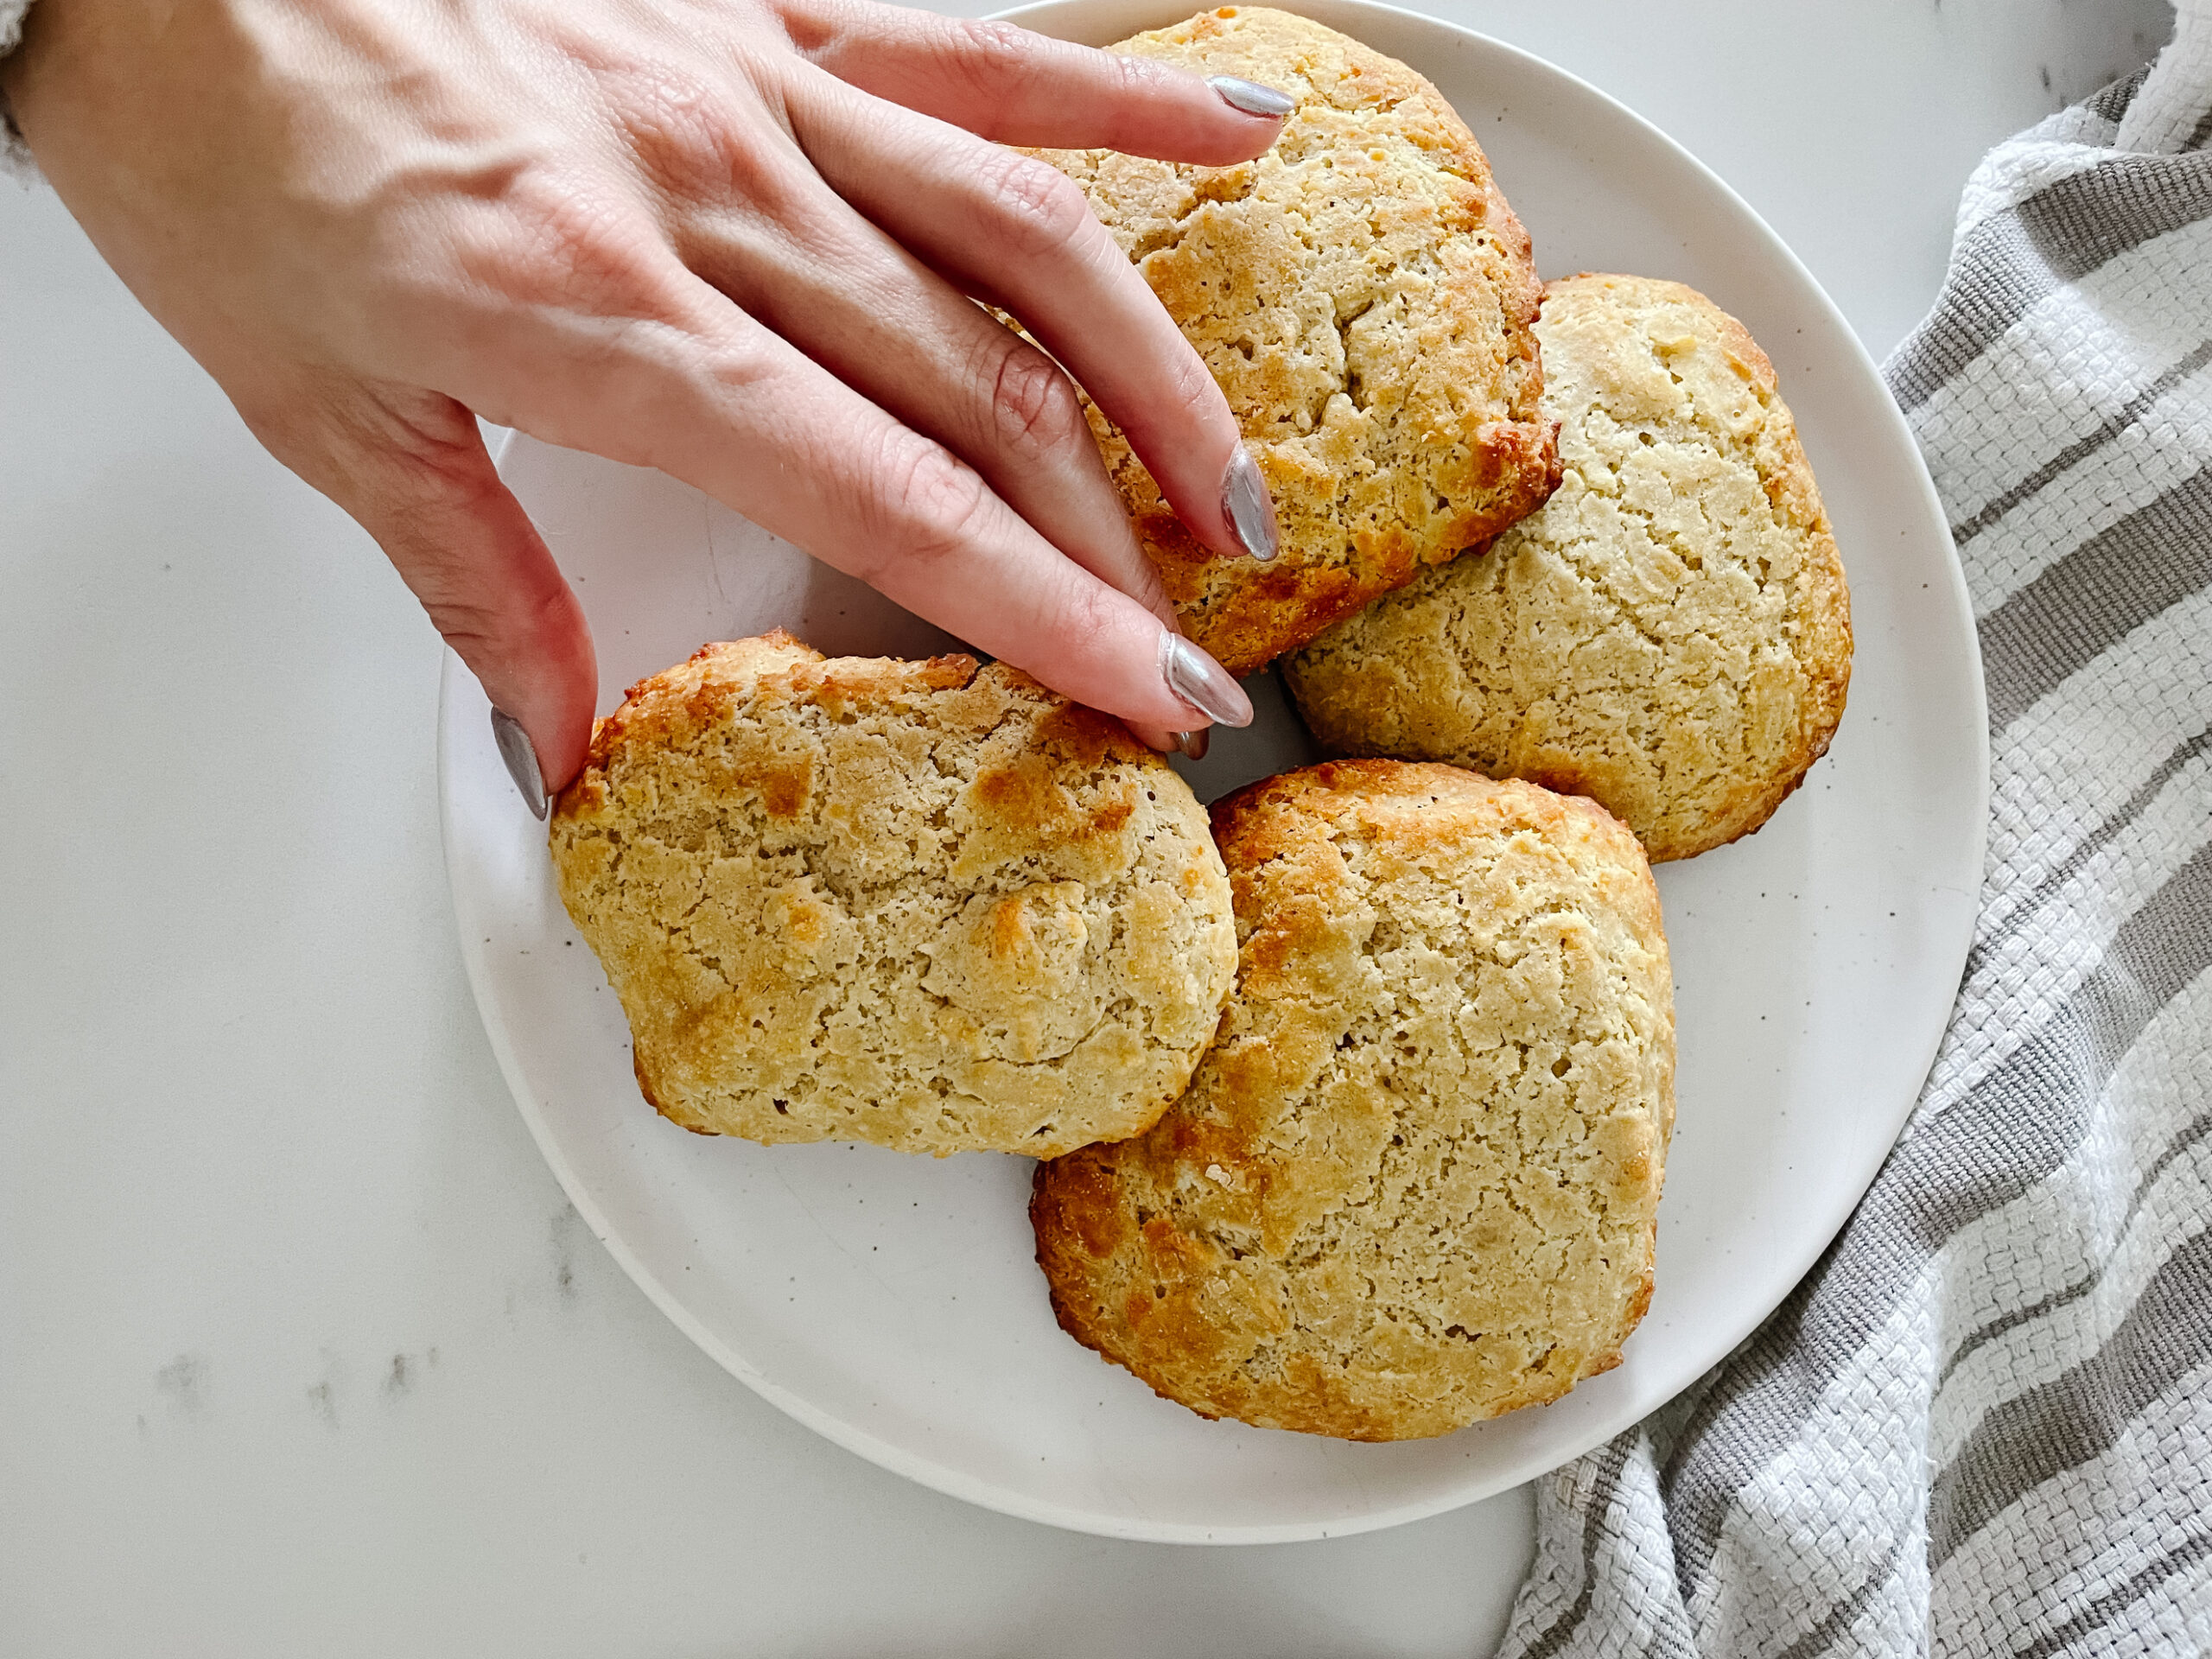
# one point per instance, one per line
(1364, 296)
(923, 904)
(1414, 1183)
(1670, 634)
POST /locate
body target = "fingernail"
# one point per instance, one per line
(522, 761)
(1245, 503)
(1252, 99)
(1201, 682)
(1192, 744)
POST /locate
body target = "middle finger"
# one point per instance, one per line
(1018, 231)
(839, 290)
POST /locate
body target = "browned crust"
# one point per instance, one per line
(755, 849)
(1353, 721)
(1186, 1291)
(1247, 614)
(1338, 552)
(1788, 474)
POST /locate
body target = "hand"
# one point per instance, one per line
(734, 239)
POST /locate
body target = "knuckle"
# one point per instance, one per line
(461, 601)
(1135, 80)
(674, 124)
(1034, 410)
(424, 485)
(463, 619)
(555, 241)
(421, 516)
(479, 620)
(987, 53)
(936, 503)
(1192, 396)
(1038, 207)
(1081, 610)
(388, 455)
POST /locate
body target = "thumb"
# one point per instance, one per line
(411, 467)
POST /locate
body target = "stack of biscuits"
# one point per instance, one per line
(1352, 1095)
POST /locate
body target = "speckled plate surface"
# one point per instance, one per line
(892, 1303)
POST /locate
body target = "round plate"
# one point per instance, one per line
(893, 1303)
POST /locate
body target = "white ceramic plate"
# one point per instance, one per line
(892, 1302)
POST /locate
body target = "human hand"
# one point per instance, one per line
(734, 239)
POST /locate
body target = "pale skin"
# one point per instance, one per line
(738, 240)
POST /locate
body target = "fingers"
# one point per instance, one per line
(834, 286)
(1018, 233)
(411, 467)
(748, 417)
(1016, 87)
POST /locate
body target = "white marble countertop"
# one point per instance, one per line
(302, 1350)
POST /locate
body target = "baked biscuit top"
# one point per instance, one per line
(1413, 1184)
(1670, 634)
(1365, 296)
(930, 904)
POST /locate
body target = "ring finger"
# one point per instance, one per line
(839, 289)
(1016, 230)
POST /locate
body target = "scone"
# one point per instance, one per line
(1414, 1183)
(927, 905)
(1671, 633)
(1364, 296)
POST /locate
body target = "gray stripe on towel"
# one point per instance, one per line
(2020, 1124)
(2099, 1613)
(2085, 849)
(2067, 1421)
(2016, 259)
(2086, 602)
(2067, 1295)
(1561, 1630)
(2075, 453)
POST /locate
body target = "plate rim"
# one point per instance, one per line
(950, 1479)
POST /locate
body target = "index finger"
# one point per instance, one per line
(720, 402)
(1015, 87)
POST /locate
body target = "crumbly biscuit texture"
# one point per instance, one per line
(1669, 635)
(927, 905)
(1364, 296)
(1414, 1182)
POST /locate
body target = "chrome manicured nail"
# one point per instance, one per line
(522, 761)
(1245, 503)
(1193, 744)
(1201, 682)
(1250, 98)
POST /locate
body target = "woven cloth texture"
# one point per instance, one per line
(1983, 1425)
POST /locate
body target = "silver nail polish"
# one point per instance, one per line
(1250, 98)
(1245, 503)
(515, 748)
(1202, 683)
(1192, 745)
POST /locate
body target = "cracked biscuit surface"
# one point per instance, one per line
(928, 904)
(1363, 295)
(1414, 1182)
(1670, 634)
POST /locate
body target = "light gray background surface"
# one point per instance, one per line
(302, 1351)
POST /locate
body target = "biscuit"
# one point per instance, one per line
(1670, 634)
(927, 905)
(1413, 1184)
(1364, 296)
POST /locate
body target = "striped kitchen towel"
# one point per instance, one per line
(1984, 1424)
